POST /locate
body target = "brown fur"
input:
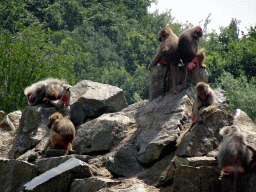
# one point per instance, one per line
(167, 52)
(49, 91)
(201, 56)
(188, 47)
(202, 108)
(62, 132)
(234, 154)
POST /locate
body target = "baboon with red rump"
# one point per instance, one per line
(234, 155)
(53, 91)
(198, 60)
(62, 133)
(203, 106)
(188, 47)
(167, 52)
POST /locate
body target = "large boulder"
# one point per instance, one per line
(201, 178)
(8, 124)
(104, 133)
(161, 79)
(11, 121)
(92, 184)
(59, 178)
(242, 120)
(244, 183)
(160, 122)
(161, 173)
(91, 99)
(14, 174)
(107, 131)
(45, 164)
(124, 162)
(134, 188)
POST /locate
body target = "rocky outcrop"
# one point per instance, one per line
(132, 149)
(14, 174)
(161, 79)
(90, 100)
(8, 125)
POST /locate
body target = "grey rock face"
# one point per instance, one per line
(160, 122)
(60, 177)
(137, 187)
(124, 162)
(91, 99)
(160, 173)
(11, 121)
(161, 79)
(92, 184)
(103, 133)
(14, 174)
(202, 178)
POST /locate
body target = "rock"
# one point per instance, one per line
(137, 187)
(46, 164)
(124, 162)
(29, 156)
(33, 128)
(131, 110)
(92, 184)
(2, 115)
(161, 79)
(160, 122)
(57, 152)
(59, 178)
(195, 161)
(104, 133)
(34, 154)
(202, 178)
(14, 174)
(160, 173)
(90, 100)
(244, 183)
(246, 125)
(8, 124)
(158, 81)
(11, 121)
(204, 137)
(198, 74)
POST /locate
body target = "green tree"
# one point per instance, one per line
(14, 16)
(242, 94)
(26, 59)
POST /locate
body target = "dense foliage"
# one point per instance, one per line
(109, 42)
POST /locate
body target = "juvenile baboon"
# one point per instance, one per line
(62, 133)
(233, 156)
(198, 60)
(57, 94)
(203, 106)
(52, 91)
(188, 47)
(167, 52)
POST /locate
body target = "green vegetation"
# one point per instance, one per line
(109, 42)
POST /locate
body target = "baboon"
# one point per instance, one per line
(167, 52)
(198, 60)
(62, 133)
(233, 156)
(52, 91)
(188, 47)
(203, 106)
